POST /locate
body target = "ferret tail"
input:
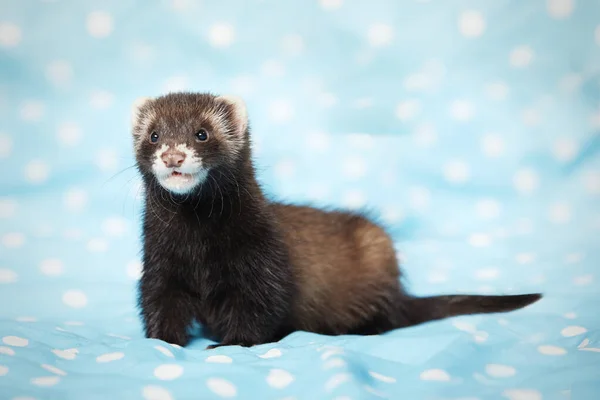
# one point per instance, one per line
(418, 310)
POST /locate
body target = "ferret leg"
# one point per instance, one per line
(167, 313)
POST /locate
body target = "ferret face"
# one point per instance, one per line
(180, 137)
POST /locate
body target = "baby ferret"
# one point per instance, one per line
(249, 270)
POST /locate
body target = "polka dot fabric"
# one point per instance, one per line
(470, 128)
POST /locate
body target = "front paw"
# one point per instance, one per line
(170, 333)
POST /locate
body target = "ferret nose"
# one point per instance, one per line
(173, 159)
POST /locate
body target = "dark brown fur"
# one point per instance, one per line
(252, 271)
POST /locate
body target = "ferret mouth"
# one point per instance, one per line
(181, 182)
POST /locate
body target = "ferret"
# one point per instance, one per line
(249, 270)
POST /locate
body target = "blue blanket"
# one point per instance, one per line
(470, 128)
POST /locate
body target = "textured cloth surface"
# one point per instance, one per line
(470, 127)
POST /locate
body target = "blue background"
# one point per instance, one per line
(470, 127)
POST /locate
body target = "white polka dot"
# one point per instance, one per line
(521, 57)
(559, 8)
(382, 378)
(10, 34)
(52, 267)
(407, 109)
(6, 145)
(8, 207)
(75, 298)
(526, 181)
(337, 380)
(550, 350)
(115, 226)
(97, 245)
(419, 198)
(221, 35)
(391, 214)
(574, 258)
(74, 323)
(3, 370)
(456, 171)
(243, 85)
(101, 99)
(570, 315)
(437, 277)
(108, 357)
(435, 375)
(165, 351)
(354, 199)
(499, 371)
(480, 240)
(363, 141)
(334, 363)
(597, 35)
(559, 213)
(176, 84)
(53, 369)
(134, 269)
(45, 381)
(281, 111)
(462, 110)
(327, 100)
(32, 110)
(570, 83)
(492, 145)
(272, 353)
(591, 182)
(522, 394)
(219, 359)
(69, 134)
(279, 378)
(318, 141)
(471, 24)
(354, 168)
(285, 169)
(15, 341)
(167, 372)
(68, 354)
(487, 273)
(331, 4)
(37, 171)
(583, 280)
(8, 276)
(525, 258)
(99, 24)
(59, 72)
(497, 91)
(292, 45)
(488, 209)
(530, 117)
(7, 351)
(75, 199)
(152, 392)
(272, 68)
(142, 53)
(221, 387)
(570, 331)
(565, 149)
(380, 35)
(464, 326)
(425, 135)
(13, 240)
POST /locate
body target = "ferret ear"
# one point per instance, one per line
(138, 104)
(240, 112)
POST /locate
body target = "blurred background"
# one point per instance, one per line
(470, 127)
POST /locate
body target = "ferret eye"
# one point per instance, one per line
(154, 137)
(202, 135)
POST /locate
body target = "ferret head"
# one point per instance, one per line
(178, 138)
